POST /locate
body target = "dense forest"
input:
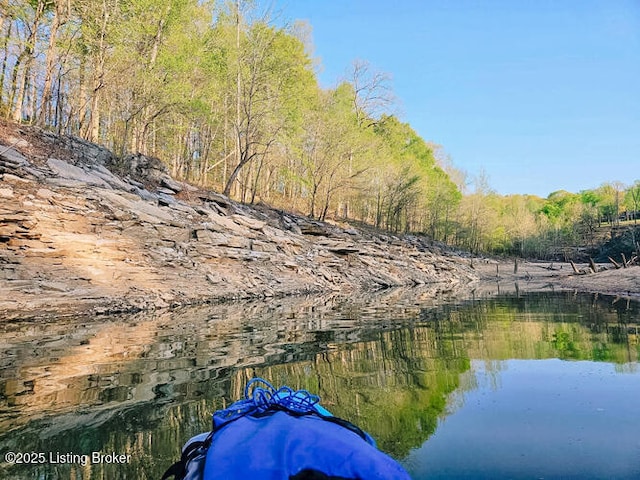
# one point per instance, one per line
(230, 100)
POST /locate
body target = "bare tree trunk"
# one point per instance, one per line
(378, 209)
(239, 161)
(245, 158)
(158, 37)
(14, 83)
(327, 200)
(31, 100)
(225, 141)
(93, 129)
(83, 97)
(5, 57)
(134, 146)
(28, 61)
(312, 208)
(44, 115)
(255, 181)
(59, 112)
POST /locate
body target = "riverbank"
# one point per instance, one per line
(83, 231)
(534, 276)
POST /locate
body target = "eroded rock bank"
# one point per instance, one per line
(77, 237)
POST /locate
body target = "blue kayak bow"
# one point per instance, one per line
(282, 434)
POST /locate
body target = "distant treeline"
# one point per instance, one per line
(230, 100)
(557, 227)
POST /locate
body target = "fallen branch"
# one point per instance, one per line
(616, 264)
(575, 269)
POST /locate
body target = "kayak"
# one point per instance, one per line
(282, 434)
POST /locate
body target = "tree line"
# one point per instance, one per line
(227, 99)
(230, 100)
(555, 227)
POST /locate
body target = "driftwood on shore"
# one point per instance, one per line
(575, 269)
(592, 268)
(625, 263)
(615, 264)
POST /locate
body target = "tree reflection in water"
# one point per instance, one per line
(396, 365)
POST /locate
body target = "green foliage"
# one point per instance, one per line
(565, 346)
(590, 197)
(416, 194)
(557, 227)
(231, 101)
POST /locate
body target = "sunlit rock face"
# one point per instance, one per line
(74, 235)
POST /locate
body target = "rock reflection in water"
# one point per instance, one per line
(143, 384)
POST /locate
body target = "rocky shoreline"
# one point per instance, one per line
(77, 237)
(83, 232)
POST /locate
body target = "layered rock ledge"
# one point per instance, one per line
(77, 237)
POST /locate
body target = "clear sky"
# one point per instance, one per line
(542, 95)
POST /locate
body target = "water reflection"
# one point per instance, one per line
(397, 365)
(537, 419)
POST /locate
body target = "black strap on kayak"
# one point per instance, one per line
(175, 471)
(179, 469)
(311, 474)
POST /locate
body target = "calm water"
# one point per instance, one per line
(536, 386)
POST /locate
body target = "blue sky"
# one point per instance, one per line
(542, 95)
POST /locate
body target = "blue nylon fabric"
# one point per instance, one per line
(260, 399)
(279, 445)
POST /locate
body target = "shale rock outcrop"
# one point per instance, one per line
(84, 231)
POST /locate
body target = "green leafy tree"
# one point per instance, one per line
(267, 67)
(632, 200)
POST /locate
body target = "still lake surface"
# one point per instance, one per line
(542, 385)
